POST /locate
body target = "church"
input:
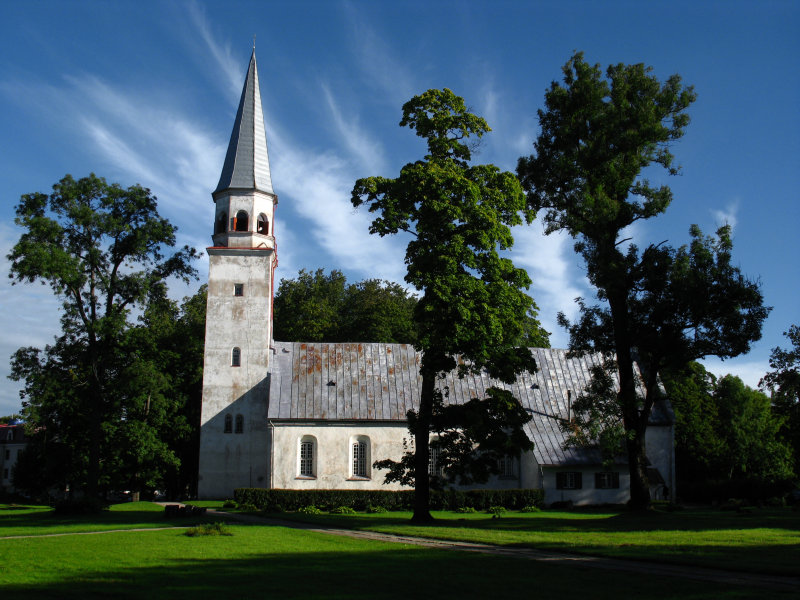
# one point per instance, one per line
(293, 415)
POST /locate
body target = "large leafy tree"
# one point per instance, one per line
(472, 306)
(784, 384)
(316, 307)
(102, 250)
(659, 307)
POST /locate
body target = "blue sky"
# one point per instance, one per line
(146, 92)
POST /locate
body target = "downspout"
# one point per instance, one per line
(271, 452)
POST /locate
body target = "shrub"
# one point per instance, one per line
(229, 504)
(530, 509)
(497, 511)
(217, 528)
(80, 506)
(343, 510)
(465, 510)
(376, 509)
(247, 507)
(309, 510)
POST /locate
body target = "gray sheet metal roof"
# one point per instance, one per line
(247, 162)
(381, 382)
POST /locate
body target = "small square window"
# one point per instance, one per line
(569, 480)
(238, 289)
(606, 481)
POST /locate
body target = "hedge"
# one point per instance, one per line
(753, 490)
(292, 500)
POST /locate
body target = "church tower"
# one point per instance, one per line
(242, 261)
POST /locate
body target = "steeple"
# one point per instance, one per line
(247, 162)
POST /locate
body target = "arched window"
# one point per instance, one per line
(236, 357)
(307, 457)
(262, 224)
(228, 424)
(222, 223)
(241, 221)
(239, 424)
(360, 459)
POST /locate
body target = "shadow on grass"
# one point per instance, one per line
(727, 541)
(584, 521)
(364, 571)
(46, 521)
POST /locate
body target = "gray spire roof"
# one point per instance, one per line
(247, 163)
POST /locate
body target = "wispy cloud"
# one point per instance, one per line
(381, 69)
(358, 143)
(324, 201)
(220, 53)
(551, 263)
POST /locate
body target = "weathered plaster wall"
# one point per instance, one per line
(659, 445)
(333, 457)
(230, 460)
(588, 494)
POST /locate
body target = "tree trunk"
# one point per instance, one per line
(422, 485)
(631, 415)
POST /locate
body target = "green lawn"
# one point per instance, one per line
(764, 541)
(40, 520)
(263, 561)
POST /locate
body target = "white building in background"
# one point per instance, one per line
(316, 415)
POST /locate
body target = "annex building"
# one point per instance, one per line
(295, 415)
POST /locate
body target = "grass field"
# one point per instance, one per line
(764, 541)
(267, 561)
(40, 520)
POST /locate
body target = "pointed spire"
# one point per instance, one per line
(247, 162)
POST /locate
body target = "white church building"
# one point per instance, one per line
(293, 415)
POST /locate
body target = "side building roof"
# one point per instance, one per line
(381, 382)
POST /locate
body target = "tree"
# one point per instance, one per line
(167, 385)
(324, 308)
(752, 448)
(784, 384)
(664, 306)
(698, 446)
(101, 249)
(472, 307)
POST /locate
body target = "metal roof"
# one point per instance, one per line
(247, 162)
(381, 382)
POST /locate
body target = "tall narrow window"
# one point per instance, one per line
(239, 424)
(434, 469)
(507, 467)
(238, 289)
(360, 459)
(236, 357)
(307, 452)
(241, 221)
(228, 424)
(262, 224)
